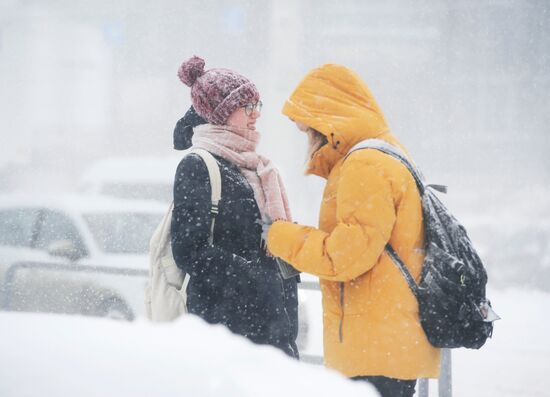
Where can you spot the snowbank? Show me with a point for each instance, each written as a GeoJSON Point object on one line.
{"type": "Point", "coordinates": [55, 355]}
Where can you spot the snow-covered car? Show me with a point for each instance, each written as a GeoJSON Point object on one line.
{"type": "Point", "coordinates": [88, 254]}
{"type": "Point", "coordinates": [76, 254]}
{"type": "Point", "coordinates": [145, 178]}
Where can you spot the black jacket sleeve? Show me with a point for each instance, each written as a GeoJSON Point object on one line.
{"type": "Point", "coordinates": [191, 223]}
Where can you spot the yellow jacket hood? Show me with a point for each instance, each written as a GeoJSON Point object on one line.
{"type": "Point", "coordinates": [334, 100]}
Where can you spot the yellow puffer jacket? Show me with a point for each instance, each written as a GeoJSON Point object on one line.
{"type": "Point", "coordinates": [371, 322]}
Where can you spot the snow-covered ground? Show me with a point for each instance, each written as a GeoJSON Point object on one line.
{"type": "Point", "coordinates": [55, 355]}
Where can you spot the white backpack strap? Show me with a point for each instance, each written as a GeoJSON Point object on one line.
{"type": "Point", "coordinates": [216, 187]}
{"type": "Point", "coordinates": [215, 184]}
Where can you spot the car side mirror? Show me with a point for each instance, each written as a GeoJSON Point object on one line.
{"type": "Point", "coordinates": [65, 249]}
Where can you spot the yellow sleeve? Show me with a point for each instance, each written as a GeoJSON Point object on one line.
{"type": "Point", "coordinates": [365, 218]}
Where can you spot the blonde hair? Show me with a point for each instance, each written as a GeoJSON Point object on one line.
{"type": "Point", "coordinates": [316, 141]}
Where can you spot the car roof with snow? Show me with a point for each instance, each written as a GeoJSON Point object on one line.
{"type": "Point", "coordinates": [81, 203]}
{"type": "Point", "coordinates": [133, 169]}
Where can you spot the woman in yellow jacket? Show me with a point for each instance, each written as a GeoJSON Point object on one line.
{"type": "Point", "coordinates": [372, 329]}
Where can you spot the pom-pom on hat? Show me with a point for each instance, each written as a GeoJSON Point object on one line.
{"type": "Point", "coordinates": [216, 93]}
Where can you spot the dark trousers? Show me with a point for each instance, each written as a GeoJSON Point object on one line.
{"type": "Point", "coordinates": [390, 387]}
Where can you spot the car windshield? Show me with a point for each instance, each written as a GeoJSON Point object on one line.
{"type": "Point", "coordinates": [123, 233]}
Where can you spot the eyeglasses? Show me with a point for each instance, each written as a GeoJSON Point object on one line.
{"type": "Point", "coordinates": [250, 107]}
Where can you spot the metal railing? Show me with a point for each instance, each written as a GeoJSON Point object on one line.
{"type": "Point", "coordinates": [6, 289]}
{"type": "Point", "coordinates": [7, 292]}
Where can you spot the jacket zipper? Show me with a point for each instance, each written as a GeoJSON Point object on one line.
{"type": "Point", "coordinates": [341, 331]}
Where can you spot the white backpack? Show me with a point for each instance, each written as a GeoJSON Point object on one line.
{"type": "Point", "coordinates": [165, 296]}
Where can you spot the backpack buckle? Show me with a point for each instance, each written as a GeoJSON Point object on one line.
{"type": "Point", "coordinates": [439, 188]}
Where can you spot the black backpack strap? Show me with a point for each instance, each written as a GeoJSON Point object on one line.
{"type": "Point", "coordinates": [385, 147]}
{"type": "Point", "coordinates": [391, 150]}
{"type": "Point", "coordinates": [403, 269]}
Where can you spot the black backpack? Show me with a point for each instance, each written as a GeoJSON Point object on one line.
{"type": "Point", "coordinates": [454, 311]}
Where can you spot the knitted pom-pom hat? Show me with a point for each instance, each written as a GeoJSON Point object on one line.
{"type": "Point", "coordinates": [216, 93]}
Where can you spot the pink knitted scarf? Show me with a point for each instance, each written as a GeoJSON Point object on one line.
{"type": "Point", "coordinates": [238, 145]}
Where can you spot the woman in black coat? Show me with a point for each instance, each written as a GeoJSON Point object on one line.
{"type": "Point", "coordinates": [232, 281]}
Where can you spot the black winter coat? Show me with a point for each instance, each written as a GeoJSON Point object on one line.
{"type": "Point", "coordinates": [233, 282]}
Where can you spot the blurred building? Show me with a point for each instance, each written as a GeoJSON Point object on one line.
{"type": "Point", "coordinates": [464, 84]}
